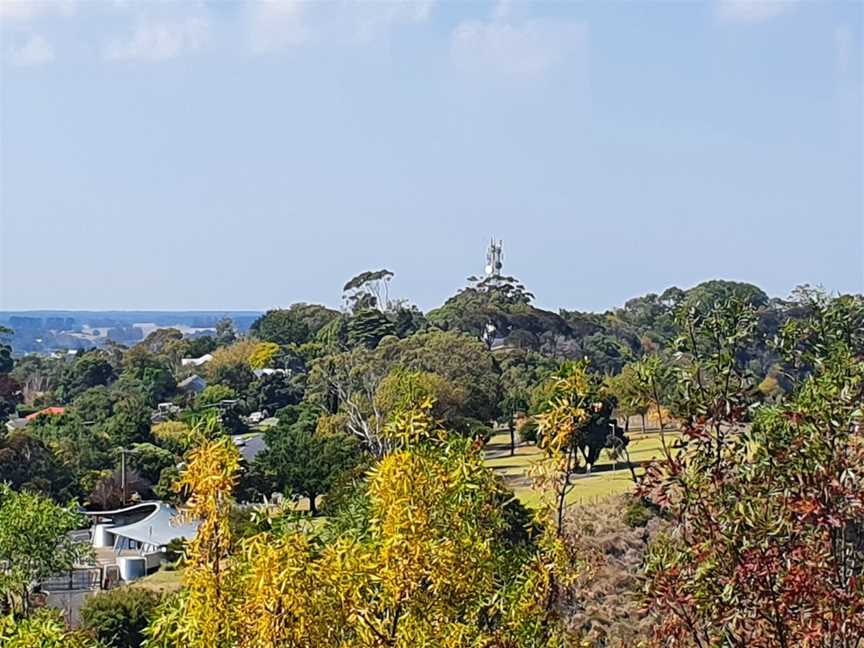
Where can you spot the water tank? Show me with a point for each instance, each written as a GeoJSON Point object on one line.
{"type": "Point", "coordinates": [102, 536]}
{"type": "Point", "coordinates": [132, 567]}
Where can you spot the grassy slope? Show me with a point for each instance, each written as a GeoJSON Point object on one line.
{"type": "Point", "coordinates": [162, 581]}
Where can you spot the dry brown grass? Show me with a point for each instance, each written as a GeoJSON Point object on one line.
{"type": "Point", "coordinates": [604, 609]}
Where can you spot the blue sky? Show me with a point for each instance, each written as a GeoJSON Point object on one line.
{"type": "Point", "coordinates": [248, 155]}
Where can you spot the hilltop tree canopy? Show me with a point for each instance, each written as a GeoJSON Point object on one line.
{"type": "Point", "coordinates": [294, 325]}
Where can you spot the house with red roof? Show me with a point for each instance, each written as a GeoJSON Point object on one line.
{"type": "Point", "coordinates": [48, 411]}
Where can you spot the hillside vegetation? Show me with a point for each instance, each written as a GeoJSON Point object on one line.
{"type": "Point", "coordinates": [682, 471]}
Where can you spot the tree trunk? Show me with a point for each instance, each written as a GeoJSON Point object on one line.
{"type": "Point", "coordinates": [630, 466]}
{"type": "Point", "coordinates": [512, 437]}
{"type": "Point", "coordinates": [313, 508]}
{"type": "Point", "coordinates": [562, 497]}
{"type": "Point", "coordinates": [643, 422]}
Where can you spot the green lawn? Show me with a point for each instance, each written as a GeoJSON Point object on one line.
{"type": "Point", "coordinates": [162, 581]}
{"type": "Point", "coordinates": [608, 478]}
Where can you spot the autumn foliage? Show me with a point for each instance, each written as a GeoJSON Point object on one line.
{"type": "Point", "coordinates": [766, 503]}
{"type": "Point", "coordinates": [431, 551]}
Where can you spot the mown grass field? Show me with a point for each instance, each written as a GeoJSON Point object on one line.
{"type": "Point", "coordinates": [607, 478]}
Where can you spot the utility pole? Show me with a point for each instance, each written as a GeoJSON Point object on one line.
{"type": "Point", "coordinates": [123, 474]}
{"type": "Point", "coordinates": [123, 452]}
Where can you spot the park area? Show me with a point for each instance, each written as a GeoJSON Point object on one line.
{"type": "Point", "coordinates": [607, 477]}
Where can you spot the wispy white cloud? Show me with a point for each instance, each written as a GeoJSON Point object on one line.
{"type": "Point", "coordinates": [278, 24]}
{"type": "Point", "coordinates": [154, 41]}
{"type": "Point", "coordinates": [284, 24]}
{"type": "Point", "coordinates": [377, 18]}
{"type": "Point", "coordinates": [523, 49]}
{"type": "Point", "coordinates": [751, 11]}
{"type": "Point", "coordinates": [36, 50]}
{"type": "Point", "coordinates": [27, 10]}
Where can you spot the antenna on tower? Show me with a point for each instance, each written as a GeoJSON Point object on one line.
{"type": "Point", "coordinates": [494, 258]}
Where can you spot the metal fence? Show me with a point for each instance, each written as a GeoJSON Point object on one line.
{"type": "Point", "coordinates": [76, 579]}
{"type": "Point", "coordinates": [68, 591]}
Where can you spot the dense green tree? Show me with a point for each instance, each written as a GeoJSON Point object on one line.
{"type": "Point", "coordinates": [80, 446]}
{"type": "Point", "coordinates": [301, 461]}
{"type": "Point", "coordinates": [333, 337]}
{"type": "Point", "coordinates": [118, 617]}
{"type": "Point", "coordinates": [304, 411]}
{"type": "Point", "coordinates": [130, 422]}
{"type": "Point", "coordinates": [235, 375]}
{"type": "Point", "coordinates": [275, 391]}
{"type": "Point", "coordinates": [150, 460]}
{"type": "Point", "coordinates": [69, 377]}
{"type": "Point", "coordinates": [653, 315]}
{"type": "Point", "coordinates": [95, 404]}
{"type": "Point", "coordinates": [34, 543]}
{"type": "Point", "coordinates": [709, 293]}
{"type": "Point", "coordinates": [10, 395]}
{"type": "Point", "coordinates": [314, 316]}
{"type": "Point", "coordinates": [153, 372]}
{"type": "Point", "coordinates": [164, 488]}
{"type": "Point", "coordinates": [157, 341]}
{"type": "Point", "coordinates": [459, 359]}
{"type": "Point", "coordinates": [28, 463]}
{"type": "Point", "coordinates": [295, 325]}
{"type": "Point", "coordinates": [213, 394]}
{"type": "Point", "coordinates": [6, 360]}
{"type": "Point", "coordinates": [631, 393]}
{"type": "Point", "coordinates": [93, 369]}
{"type": "Point", "coordinates": [404, 390]}
{"type": "Point", "coordinates": [823, 322]}
{"type": "Point", "coordinates": [367, 327]}
{"type": "Point", "coordinates": [407, 320]}
{"type": "Point", "coordinates": [521, 370]}
{"type": "Point", "coordinates": [281, 327]}
{"type": "Point", "coordinates": [199, 346]}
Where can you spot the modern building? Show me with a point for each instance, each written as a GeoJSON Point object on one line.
{"type": "Point", "coordinates": [135, 538]}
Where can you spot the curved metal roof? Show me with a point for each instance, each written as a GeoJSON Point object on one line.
{"type": "Point", "coordinates": [128, 509]}
{"type": "Point", "coordinates": [159, 528]}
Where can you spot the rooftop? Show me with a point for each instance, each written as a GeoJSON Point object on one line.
{"type": "Point", "coordinates": [160, 525]}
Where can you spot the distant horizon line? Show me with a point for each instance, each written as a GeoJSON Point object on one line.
{"type": "Point", "coordinates": [134, 310]}
{"type": "Point", "coordinates": [542, 304]}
